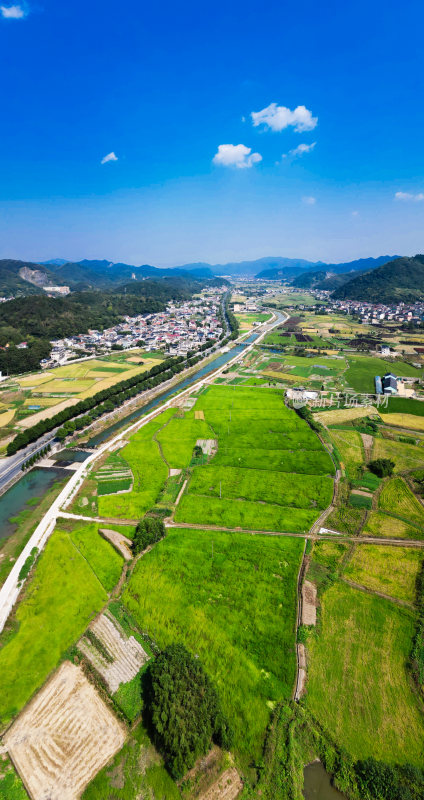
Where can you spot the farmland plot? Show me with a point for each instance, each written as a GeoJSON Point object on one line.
{"type": "Point", "coordinates": [148, 468]}
{"type": "Point", "coordinates": [246, 484]}
{"type": "Point", "coordinates": [391, 570]}
{"type": "Point", "coordinates": [119, 658]}
{"type": "Point", "coordinates": [405, 456]}
{"type": "Point", "coordinates": [64, 736]}
{"type": "Point", "coordinates": [230, 598]}
{"type": "Point", "coordinates": [62, 597]}
{"type": "Point", "coordinates": [397, 498]}
{"type": "Point", "coordinates": [358, 687]}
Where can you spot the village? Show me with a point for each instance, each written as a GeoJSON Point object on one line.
{"type": "Point", "coordinates": [180, 329]}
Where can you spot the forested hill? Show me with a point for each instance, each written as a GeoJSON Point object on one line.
{"type": "Point", "coordinates": [398, 281]}
{"type": "Point", "coordinates": [38, 319]}
{"type": "Point", "coordinates": [318, 269]}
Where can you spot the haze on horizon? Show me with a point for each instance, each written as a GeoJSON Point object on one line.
{"type": "Point", "coordinates": [205, 133]}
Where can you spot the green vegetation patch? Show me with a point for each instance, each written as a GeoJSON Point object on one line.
{"type": "Point", "coordinates": [391, 570]}
{"type": "Point", "coordinates": [62, 598]}
{"type": "Point", "coordinates": [104, 560]}
{"type": "Point", "coordinates": [397, 498]}
{"type": "Point", "coordinates": [360, 501]}
{"type": "Point", "coordinates": [363, 369]}
{"type": "Point", "coordinates": [11, 786]}
{"type": "Point", "coordinates": [381, 524]}
{"type": "Point", "coordinates": [243, 514]}
{"type": "Point", "coordinates": [231, 599]}
{"type": "Point", "coordinates": [136, 771]}
{"type": "Point", "coordinates": [403, 405]}
{"type": "Point", "coordinates": [246, 484]}
{"type": "Point", "coordinates": [148, 468]}
{"type": "Point", "coordinates": [405, 456]}
{"type": "Point", "coordinates": [179, 437]}
{"type": "Point", "coordinates": [350, 450]}
{"type": "Point", "coordinates": [357, 683]}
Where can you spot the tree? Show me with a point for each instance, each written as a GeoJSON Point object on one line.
{"type": "Point", "coordinates": [185, 709]}
{"type": "Point", "coordinates": [383, 467]}
{"type": "Point", "coordinates": [149, 531]}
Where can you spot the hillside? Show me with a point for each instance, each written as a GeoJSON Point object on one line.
{"type": "Point", "coordinates": [399, 281]}
{"type": "Point", "coordinates": [319, 268]}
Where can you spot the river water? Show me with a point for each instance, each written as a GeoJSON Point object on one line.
{"type": "Point", "coordinates": [33, 484]}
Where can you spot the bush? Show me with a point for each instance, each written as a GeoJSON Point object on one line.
{"type": "Point", "coordinates": [383, 467]}
{"type": "Point", "coordinates": [185, 710]}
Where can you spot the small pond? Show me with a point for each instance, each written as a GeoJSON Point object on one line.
{"type": "Point", "coordinates": [317, 784]}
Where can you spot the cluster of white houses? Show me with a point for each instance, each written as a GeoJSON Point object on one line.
{"type": "Point", "coordinates": [181, 328]}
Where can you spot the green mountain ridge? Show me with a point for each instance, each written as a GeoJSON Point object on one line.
{"type": "Point", "coordinates": [399, 281]}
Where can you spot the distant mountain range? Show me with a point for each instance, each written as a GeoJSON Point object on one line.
{"type": "Point", "coordinates": [311, 276]}
{"type": "Point", "coordinates": [351, 279]}
{"type": "Point", "coordinates": [401, 280]}
{"type": "Point", "coordinates": [18, 278]}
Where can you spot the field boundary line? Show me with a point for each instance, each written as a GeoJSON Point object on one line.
{"type": "Point", "coordinates": [376, 593]}
{"type": "Point", "coordinates": [299, 585]}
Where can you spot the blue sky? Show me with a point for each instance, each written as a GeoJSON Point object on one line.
{"type": "Point", "coordinates": [331, 169]}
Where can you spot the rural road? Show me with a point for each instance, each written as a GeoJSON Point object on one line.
{"type": "Point", "coordinates": [11, 588]}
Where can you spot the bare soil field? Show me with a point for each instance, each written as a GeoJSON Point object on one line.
{"type": "Point", "coordinates": [64, 737]}
{"type": "Point", "coordinates": [309, 603]}
{"type": "Point", "coordinates": [126, 655]}
{"type": "Point", "coordinates": [227, 787]}
{"type": "Point", "coordinates": [118, 541]}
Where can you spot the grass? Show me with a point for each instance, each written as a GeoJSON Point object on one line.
{"type": "Point", "coordinates": [308, 462]}
{"type": "Point", "coordinates": [246, 484]}
{"type": "Point", "coordinates": [367, 480]}
{"type": "Point", "coordinates": [103, 559]}
{"type": "Point", "coordinates": [282, 488]}
{"type": "Point", "coordinates": [179, 437]}
{"type": "Point", "coordinates": [149, 470]}
{"type": "Point", "coordinates": [231, 599]}
{"type": "Point", "coordinates": [11, 786]}
{"type": "Point", "coordinates": [62, 597]}
{"type": "Point", "coordinates": [136, 771]}
{"type": "Point", "coordinates": [404, 405]}
{"type": "Point", "coordinates": [386, 526]}
{"type": "Point", "coordinates": [349, 446]}
{"type": "Point", "coordinates": [397, 498]}
{"type": "Point", "coordinates": [357, 685]}
{"type": "Point", "coordinates": [129, 697]}
{"type": "Point", "coordinates": [243, 514]}
{"type": "Point", "coordinates": [360, 501]}
{"type": "Point", "coordinates": [340, 415]}
{"type": "Point", "coordinates": [363, 369]}
{"type": "Point", "coordinates": [405, 456]}
{"type": "Point", "coordinates": [405, 421]}
{"type": "Point", "coordinates": [390, 570]}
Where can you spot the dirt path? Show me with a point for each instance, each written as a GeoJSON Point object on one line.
{"type": "Point", "coordinates": [367, 590]}
{"type": "Point", "coordinates": [368, 442]}
{"type": "Point", "coordinates": [331, 537]}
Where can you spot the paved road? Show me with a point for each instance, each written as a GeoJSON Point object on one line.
{"type": "Point", "coordinates": [10, 466]}
{"type": "Point", "coordinates": [10, 589]}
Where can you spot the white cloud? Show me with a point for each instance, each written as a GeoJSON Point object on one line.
{"type": "Point", "coordinates": [355, 213]}
{"type": "Point", "coordinates": [300, 150]}
{"type": "Point", "coordinates": [109, 157]}
{"type": "Point", "coordinates": [309, 201]}
{"type": "Point", "coordinates": [279, 117]}
{"type": "Point", "coordinates": [405, 196]}
{"type": "Point", "coordinates": [13, 12]}
{"type": "Point", "coordinates": [236, 155]}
